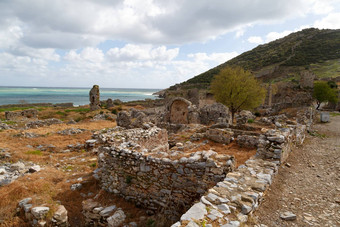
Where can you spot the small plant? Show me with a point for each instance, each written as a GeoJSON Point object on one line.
{"type": "Point", "coordinates": [114, 111]}
{"type": "Point", "coordinates": [35, 152]}
{"type": "Point", "coordinates": [128, 179]}
{"type": "Point", "coordinates": [257, 114]}
{"type": "Point", "coordinates": [101, 112]}
{"type": "Point", "coordinates": [204, 223]}
{"type": "Point", "coordinates": [150, 223]}
{"type": "Point", "coordinates": [250, 121]}
{"type": "Point", "coordinates": [93, 165]}
{"type": "Point", "coordinates": [208, 209]}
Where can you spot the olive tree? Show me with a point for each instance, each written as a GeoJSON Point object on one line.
{"type": "Point", "coordinates": [324, 93]}
{"type": "Point", "coordinates": [237, 89]}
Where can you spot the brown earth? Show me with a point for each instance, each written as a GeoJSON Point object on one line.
{"type": "Point", "coordinates": [308, 185]}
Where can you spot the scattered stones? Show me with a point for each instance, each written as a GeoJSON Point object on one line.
{"type": "Point", "coordinates": [37, 215]}
{"type": "Point", "coordinates": [76, 186]}
{"type": "Point", "coordinates": [71, 131]}
{"type": "Point", "coordinates": [96, 215]}
{"type": "Point", "coordinates": [10, 172]}
{"type": "Point", "coordinates": [42, 123]}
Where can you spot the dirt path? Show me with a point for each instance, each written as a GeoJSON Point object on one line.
{"type": "Point", "coordinates": [310, 187]}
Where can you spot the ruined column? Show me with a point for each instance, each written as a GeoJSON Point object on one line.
{"type": "Point", "coordinates": [269, 95]}
{"type": "Point", "coordinates": [94, 98]}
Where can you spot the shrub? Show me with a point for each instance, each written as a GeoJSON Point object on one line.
{"type": "Point", "coordinates": [35, 152]}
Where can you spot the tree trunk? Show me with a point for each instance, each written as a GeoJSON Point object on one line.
{"type": "Point", "coordinates": [232, 116]}
{"type": "Point", "coordinates": [318, 105]}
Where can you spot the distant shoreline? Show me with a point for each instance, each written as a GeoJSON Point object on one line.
{"type": "Point", "coordinates": [77, 96]}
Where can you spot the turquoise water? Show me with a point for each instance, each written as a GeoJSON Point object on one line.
{"type": "Point", "coordinates": [79, 96]}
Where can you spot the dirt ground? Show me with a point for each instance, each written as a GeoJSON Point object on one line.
{"type": "Point", "coordinates": [310, 187]}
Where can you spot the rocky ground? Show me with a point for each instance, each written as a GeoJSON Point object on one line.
{"type": "Point", "coordinates": [308, 185]}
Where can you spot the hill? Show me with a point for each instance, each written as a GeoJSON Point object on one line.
{"type": "Point", "coordinates": [284, 59]}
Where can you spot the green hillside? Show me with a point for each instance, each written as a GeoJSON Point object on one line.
{"type": "Point", "coordinates": [314, 49]}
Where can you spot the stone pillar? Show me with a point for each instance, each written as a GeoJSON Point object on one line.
{"type": "Point", "coordinates": [268, 100]}
{"type": "Point", "coordinates": [94, 98]}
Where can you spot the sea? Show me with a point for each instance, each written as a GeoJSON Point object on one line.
{"type": "Point", "coordinates": [78, 96]}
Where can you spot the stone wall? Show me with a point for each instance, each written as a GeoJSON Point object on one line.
{"type": "Point", "coordinates": [233, 200]}
{"type": "Point", "coordinates": [137, 165]}
{"type": "Point", "coordinates": [30, 113]}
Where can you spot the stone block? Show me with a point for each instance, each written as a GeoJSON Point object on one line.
{"type": "Point", "coordinates": [324, 117]}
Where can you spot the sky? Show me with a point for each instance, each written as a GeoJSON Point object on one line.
{"type": "Point", "coordinates": [141, 43]}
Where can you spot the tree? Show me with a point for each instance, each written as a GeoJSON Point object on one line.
{"type": "Point", "coordinates": [324, 93]}
{"type": "Point", "coordinates": [238, 89]}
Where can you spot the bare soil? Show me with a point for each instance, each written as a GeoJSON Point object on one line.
{"type": "Point", "coordinates": [308, 185]}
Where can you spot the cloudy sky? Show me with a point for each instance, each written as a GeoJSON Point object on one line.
{"type": "Point", "coordinates": [140, 43]}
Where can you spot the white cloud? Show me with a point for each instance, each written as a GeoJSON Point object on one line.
{"type": "Point", "coordinates": [331, 21]}
{"type": "Point", "coordinates": [70, 24]}
{"type": "Point", "coordinates": [255, 39]}
{"type": "Point", "coordinates": [132, 52]}
{"type": "Point", "coordinates": [276, 35]}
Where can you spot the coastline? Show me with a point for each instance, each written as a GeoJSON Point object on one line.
{"type": "Point", "coordinates": [78, 96]}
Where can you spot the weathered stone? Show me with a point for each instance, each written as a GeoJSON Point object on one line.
{"type": "Point", "coordinates": [224, 208]}
{"type": "Point", "coordinates": [94, 98]}
{"type": "Point", "coordinates": [123, 119]}
{"type": "Point", "coordinates": [196, 212]}
{"type": "Point", "coordinates": [219, 135]}
{"type": "Point", "coordinates": [40, 212]}
{"type": "Point", "coordinates": [109, 103]}
{"type": "Point", "coordinates": [232, 224]}
{"type": "Point", "coordinates": [324, 117]}
{"type": "Point", "coordinates": [116, 219]}
{"type": "Point", "coordinates": [24, 201]}
{"type": "Point", "coordinates": [60, 216]}
{"type": "Point", "coordinates": [107, 211]}
{"type": "Point", "coordinates": [209, 114]}
{"type": "Point", "coordinates": [89, 205]}
{"type": "Point", "coordinates": [288, 216]}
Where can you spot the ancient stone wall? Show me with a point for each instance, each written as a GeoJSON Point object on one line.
{"type": "Point", "coordinates": [30, 113]}
{"type": "Point", "coordinates": [239, 194]}
{"type": "Point", "coordinates": [137, 165]}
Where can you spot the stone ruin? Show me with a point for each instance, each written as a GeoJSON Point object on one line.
{"type": "Point", "coordinates": [30, 113]}
{"type": "Point", "coordinates": [178, 111]}
{"type": "Point", "coordinates": [137, 164]}
{"type": "Point", "coordinates": [307, 79]}
{"type": "Point", "coordinates": [94, 98]}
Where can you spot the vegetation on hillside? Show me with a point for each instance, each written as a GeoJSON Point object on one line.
{"type": "Point", "coordinates": [238, 89]}
{"type": "Point", "coordinates": [306, 48]}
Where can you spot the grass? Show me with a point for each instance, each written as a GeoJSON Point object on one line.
{"type": "Point", "coordinates": [78, 110]}
{"type": "Point", "coordinates": [10, 122]}
{"type": "Point", "coordinates": [34, 152]}
{"type": "Point", "coordinates": [334, 114]}
{"type": "Point", "coordinates": [316, 134]}
{"type": "Point", "coordinates": [326, 69]}
{"type": "Point", "coordinates": [20, 108]}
